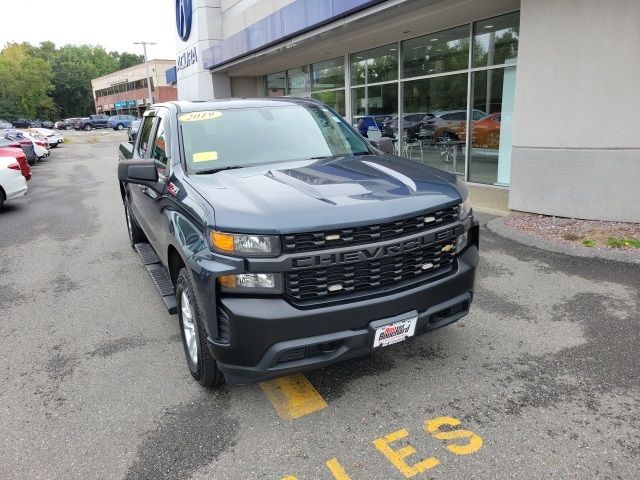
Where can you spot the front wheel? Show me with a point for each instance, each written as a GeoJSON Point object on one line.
{"type": "Point", "coordinates": [120, 126]}
{"type": "Point", "coordinates": [87, 127]}
{"type": "Point", "coordinates": [202, 365]}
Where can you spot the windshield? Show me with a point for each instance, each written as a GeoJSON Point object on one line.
{"type": "Point", "coordinates": [249, 136]}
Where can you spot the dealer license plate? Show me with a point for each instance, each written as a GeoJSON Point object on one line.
{"type": "Point", "coordinates": [394, 332]}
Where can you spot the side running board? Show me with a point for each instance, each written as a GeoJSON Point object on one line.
{"type": "Point", "coordinates": [159, 274]}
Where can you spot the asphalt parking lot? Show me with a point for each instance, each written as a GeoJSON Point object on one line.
{"type": "Point", "coordinates": [541, 380]}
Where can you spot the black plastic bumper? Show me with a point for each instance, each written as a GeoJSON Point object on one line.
{"type": "Point", "coordinates": [270, 337]}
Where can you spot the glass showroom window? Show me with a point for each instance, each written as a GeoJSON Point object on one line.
{"type": "Point", "coordinates": [375, 65]}
{"type": "Point", "coordinates": [435, 107]}
{"type": "Point", "coordinates": [434, 114]}
{"type": "Point", "coordinates": [298, 83]}
{"type": "Point", "coordinates": [327, 83]}
{"type": "Point", "coordinates": [440, 52]}
{"type": "Point", "coordinates": [276, 84]}
{"type": "Point", "coordinates": [493, 92]}
{"type": "Point", "coordinates": [375, 105]}
{"type": "Point", "coordinates": [495, 42]}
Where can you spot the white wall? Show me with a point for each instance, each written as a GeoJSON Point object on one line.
{"type": "Point", "coordinates": [576, 143]}
{"type": "Point", "coordinates": [578, 79]}
{"type": "Point", "coordinates": [194, 82]}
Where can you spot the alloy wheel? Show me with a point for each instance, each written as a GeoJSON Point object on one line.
{"type": "Point", "coordinates": [189, 328]}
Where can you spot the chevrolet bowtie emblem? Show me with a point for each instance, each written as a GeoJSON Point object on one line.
{"type": "Point", "coordinates": [429, 219]}
{"type": "Point", "coordinates": [335, 288]}
{"type": "Point", "coordinates": [427, 266]}
{"type": "Point", "coordinates": [332, 237]}
{"type": "Point", "coordinates": [447, 248]}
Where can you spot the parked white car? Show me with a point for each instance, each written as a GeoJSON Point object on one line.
{"type": "Point", "coordinates": [40, 144]}
{"type": "Point", "coordinates": [52, 137]}
{"type": "Point", "coordinates": [12, 183]}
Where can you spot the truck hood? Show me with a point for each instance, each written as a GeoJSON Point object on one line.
{"type": "Point", "coordinates": [311, 194]}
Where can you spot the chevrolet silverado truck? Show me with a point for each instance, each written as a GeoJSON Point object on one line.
{"type": "Point", "coordinates": [284, 241]}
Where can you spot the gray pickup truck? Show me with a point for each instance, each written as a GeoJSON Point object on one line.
{"type": "Point", "coordinates": [91, 122]}
{"type": "Point", "coordinates": [284, 241]}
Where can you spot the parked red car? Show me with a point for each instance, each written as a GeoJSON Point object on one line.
{"type": "Point", "coordinates": [16, 152]}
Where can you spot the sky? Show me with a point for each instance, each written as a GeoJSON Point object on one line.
{"type": "Point", "coordinates": [114, 24]}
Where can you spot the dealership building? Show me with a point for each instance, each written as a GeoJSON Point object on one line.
{"type": "Point", "coordinates": [125, 92]}
{"type": "Point", "coordinates": [550, 86]}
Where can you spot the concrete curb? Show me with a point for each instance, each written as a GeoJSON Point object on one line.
{"type": "Point", "coordinates": [498, 227]}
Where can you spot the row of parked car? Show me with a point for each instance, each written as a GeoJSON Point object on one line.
{"type": "Point", "coordinates": [24, 123]}
{"type": "Point", "coordinates": [19, 151]}
{"type": "Point", "coordinates": [116, 122]}
{"type": "Point", "coordinates": [437, 127]}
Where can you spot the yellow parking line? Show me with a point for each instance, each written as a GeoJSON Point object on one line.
{"type": "Point", "coordinates": [293, 396]}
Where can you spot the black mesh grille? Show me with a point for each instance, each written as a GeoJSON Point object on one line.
{"type": "Point", "coordinates": [304, 242]}
{"type": "Point", "coordinates": [341, 279]}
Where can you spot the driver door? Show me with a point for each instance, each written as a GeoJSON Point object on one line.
{"type": "Point", "coordinates": [152, 201]}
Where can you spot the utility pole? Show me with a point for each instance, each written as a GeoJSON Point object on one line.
{"type": "Point", "coordinates": [146, 64]}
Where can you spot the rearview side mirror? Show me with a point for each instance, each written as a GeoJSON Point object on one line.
{"type": "Point", "coordinates": [140, 172]}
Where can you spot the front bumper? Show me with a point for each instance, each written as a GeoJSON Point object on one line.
{"type": "Point", "coordinates": [269, 337]}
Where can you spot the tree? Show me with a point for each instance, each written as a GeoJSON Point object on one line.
{"type": "Point", "coordinates": [26, 84]}
{"type": "Point", "coordinates": [127, 60]}
{"type": "Point", "coordinates": [71, 69]}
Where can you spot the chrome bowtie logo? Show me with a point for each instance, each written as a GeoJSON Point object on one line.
{"type": "Point", "coordinates": [183, 18]}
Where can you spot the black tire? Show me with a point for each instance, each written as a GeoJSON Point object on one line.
{"type": "Point", "coordinates": [88, 127]}
{"type": "Point", "coordinates": [205, 369]}
{"type": "Point", "coordinates": [1, 199]}
{"type": "Point", "coordinates": [136, 235]}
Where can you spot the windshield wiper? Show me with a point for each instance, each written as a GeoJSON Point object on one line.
{"type": "Point", "coordinates": [216, 170]}
{"type": "Point", "coordinates": [324, 157]}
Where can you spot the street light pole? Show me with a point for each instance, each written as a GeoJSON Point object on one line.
{"type": "Point", "coordinates": [146, 64]}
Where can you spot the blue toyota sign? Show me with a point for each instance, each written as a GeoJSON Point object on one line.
{"type": "Point", "coordinates": [183, 18]}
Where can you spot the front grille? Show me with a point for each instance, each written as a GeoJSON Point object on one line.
{"type": "Point", "coordinates": [337, 280]}
{"type": "Point", "coordinates": [304, 242]}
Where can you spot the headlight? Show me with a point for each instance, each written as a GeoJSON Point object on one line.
{"type": "Point", "coordinates": [252, 282]}
{"type": "Point", "coordinates": [464, 209]}
{"type": "Point", "coordinates": [245, 244]}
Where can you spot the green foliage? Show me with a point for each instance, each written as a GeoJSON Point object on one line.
{"type": "Point", "coordinates": [623, 242]}
{"type": "Point", "coordinates": [588, 243]}
{"type": "Point", "coordinates": [59, 79]}
{"type": "Point", "coordinates": [26, 84]}
{"type": "Point", "coordinates": [127, 59]}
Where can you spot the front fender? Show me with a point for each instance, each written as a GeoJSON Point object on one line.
{"type": "Point", "coordinates": [204, 266]}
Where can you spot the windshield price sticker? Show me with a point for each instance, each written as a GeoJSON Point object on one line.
{"type": "Point", "coordinates": [205, 156]}
{"type": "Point", "coordinates": [394, 332]}
{"type": "Point", "coordinates": [200, 116]}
